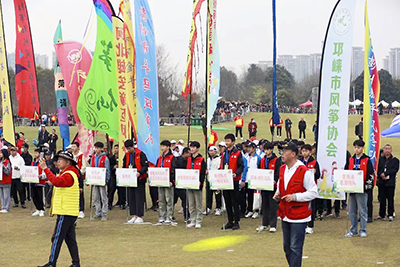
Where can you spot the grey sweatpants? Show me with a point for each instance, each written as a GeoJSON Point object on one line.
{"type": "Point", "coordinates": [5, 193]}
{"type": "Point", "coordinates": [196, 206]}
{"type": "Point", "coordinates": [100, 200]}
{"type": "Point", "coordinates": [166, 202]}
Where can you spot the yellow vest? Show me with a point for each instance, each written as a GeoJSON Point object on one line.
{"type": "Point", "coordinates": [65, 200]}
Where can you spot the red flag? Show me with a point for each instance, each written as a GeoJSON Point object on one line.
{"type": "Point", "coordinates": [25, 70]}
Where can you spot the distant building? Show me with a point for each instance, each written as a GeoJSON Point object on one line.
{"type": "Point", "coordinates": [42, 61]}
{"type": "Point", "coordinates": [302, 70]}
{"type": "Point", "coordinates": [392, 62]}
{"type": "Point", "coordinates": [357, 62]}
{"type": "Point", "coordinates": [264, 65]}
{"type": "Point", "coordinates": [288, 62]}
{"type": "Point", "coordinates": [315, 63]}
{"type": "Point", "coordinates": [11, 61]}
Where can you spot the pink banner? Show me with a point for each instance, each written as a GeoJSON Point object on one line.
{"type": "Point", "coordinates": [85, 138]}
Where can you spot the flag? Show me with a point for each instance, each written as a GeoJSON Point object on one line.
{"type": "Point", "coordinates": [97, 105]}
{"type": "Point", "coordinates": [371, 131]}
{"type": "Point", "coordinates": [8, 123]}
{"type": "Point", "coordinates": [25, 71]}
{"type": "Point", "coordinates": [213, 65]}
{"type": "Point", "coordinates": [61, 94]}
{"type": "Point", "coordinates": [125, 8]}
{"type": "Point", "coordinates": [334, 95]}
{"type": "Point", "coordinates": [148, 133]}
{"type": "Point", "coordinates": [275, 110]}
{"type": "Point", "coordinates": [85, 138]}
{"type": "Point", "coordinates": [187, 84]}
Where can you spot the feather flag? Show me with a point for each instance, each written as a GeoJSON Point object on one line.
{"type": "Point", "coordinates": [61, 94]}
{"type": "Point", "coordinates": [187, 84]}
{"type": "Point", "coordinates": [275, 110]}
{"type": "Point", "coordinates": [372, 89]}
{"type": "Point", "coordinates": [97, 105]}
{"type": "Point", "coordinates": [25, 70]}
{"type": "Point", "coordinates": [8, 123]}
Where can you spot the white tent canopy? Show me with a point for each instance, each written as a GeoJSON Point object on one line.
{"type": "Point", "coordinates": [395, 104]}
{"type": "Point", "coordinates": [357, 102]}
{"type": "Point", "coordinates": [383, 103]}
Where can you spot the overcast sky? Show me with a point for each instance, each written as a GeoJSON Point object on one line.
{"type": "Point", "coordinates": [244, 26]}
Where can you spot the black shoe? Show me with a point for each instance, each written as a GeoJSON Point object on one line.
{"type": "Point", "coordinates": [344, 207]}
{"type": "Point", "coordinates": [227, 226]}
{"type": "Point", "coordinates": [110, 207]}
{"type": "Point", "coordinates": [75, 265]}
{"type": "Point", "coordinates": [47, 265]}
{"type": "Point", "coordinates": [15, 205]}
{"type": "Point", "coordinates": [235, 226]}
{"type": "Point", "coordinates": [23, 206]}
{"type": "Point", "coordinates": [337, 216]}
{"type": "Point", "coordinates": [123, 207]}
{"type": "Point", "coordinates": [369, 220]}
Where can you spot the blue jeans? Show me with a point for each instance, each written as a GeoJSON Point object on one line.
{"type": "Point", "coordinates": [358, 202]}
{"type": "Point", "coordinates": [293, 241]}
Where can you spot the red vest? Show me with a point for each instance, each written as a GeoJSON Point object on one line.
{"type": "Point", "coordinates": [293, 210]}
{"type": "Point", "coordinates": [7, 179]}
{"type": "Point", "coordinates": [167, 161]}
{"type": "Point", "coordinates": [232, 163]}
{"type": "Point", "coordinates": [102, 161]}
{"type": "Point", "coordinates": [197, 163]}
{"type": "Point", "coordinates": [42, 182]}
{"type": "Point", "coordinates": [363, 166]}
{"type": "Point", "coordinates": [271, 165]}
{"type": "Point", "coordinates": [79, 161]}
{"type": "Point", "coordinates": [137, 162]}
{"type": "Point", "coordinates": [312, 165]}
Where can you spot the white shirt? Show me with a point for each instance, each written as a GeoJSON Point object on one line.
{"type": "Point", "coordinates": [19, 162]}
{"type": "Point", "coordinates": [309, 185]}
{"type": "Point", "coordinates": [213, 163]}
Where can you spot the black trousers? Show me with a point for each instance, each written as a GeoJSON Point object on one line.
{"type": "Point", "coordinates": [313, 214]}
{"type": "Point", "coordinates": [369, 202]}
{"type": "Point", "coordinates": [239, 130]}
{"type": "Point", "coordinates": [289, 133]}
{"type": "Point", "coordinates": [17, 187]}
{"type": "Point", "coordinates": [181, 193]}
{"type": "Point", "coordinates": [136, 199]}
{"type": "Point", "coordinates": [269, 208]}
{"type": "Point", "coordinates": [121, 191]}
{"type": "Point", "coordinates": [111, 189]}
{"type": "Point", "coordinates": [246, 199]}
{"type": "Point", "coordinates": [279, 131]}
{"type": "Point", "coordinates": [82, 201]}
{"type": "Point", "coordinates": [27, 192]}
{"type": "Point", "coordinates": [64, 230]}
{"type": "Point", "coordinates": [272, 129]}
{"type": "Point", "coordinates": [48, 190]}
{"type": "Point", "coordinates": [302, 132]}
{"type": "Point", "coordinates": [37, 197]}
{"type": "Point", "coordinates": [329, 206]}
{"type": "Point", "coordinates": [386, 193]}
{"type": "Point", "coordinates": [154, 195]}
{"type": "Point", "coordinates": [232, 203]}
{"type": "Point", "coordinates": [209, 197]}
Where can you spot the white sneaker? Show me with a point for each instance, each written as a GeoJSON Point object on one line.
{"type": "Point", "coordinates": [41, 213]}
{"type": "Point", "coordinates": [309, 230]}
{"type": "Point", "coordinates": [133, 219]}
{"type": "Point", "coordinates": [261, 228]}
{"type": "Point", "coordinates": [207, 211]}
{"type": "Point", "coordinates": [272, 230]}
{"type": "Point", "coordinates": [161, 220]}
{"type": "Point", "coordinates": [190, 225]}
{"type": "Point", "coordinates": [241, 138]}
{"type": "Point", "coordinates": [138, 220]}
{"type": "Point", "coordinates": [36, 213]}
{"type": "Point", "coordinates": [249, 214]}
{"type": "Point", "coordinates": [198, 226]}
{"type": "Point", "coordinates": [217, 212]}
{"type": "Point", "coordinates": [3, 211]}
{"type": "Point", "coordinates": [180, 211]}
{"type": "Point", "coordinates": [167, 221]}
{"type": "Point", "coordinates": [81, 215]}
{"type": "Point", "coordinates": [255, 215]}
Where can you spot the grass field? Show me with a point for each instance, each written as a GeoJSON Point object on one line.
{"type": "Point", "coordinates": [25, 241]}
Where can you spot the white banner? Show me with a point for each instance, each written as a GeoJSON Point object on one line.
{"type": "Point", "coordinates": [334, 94]}
{"type": "Point", "coordinates": [187, 179]}
{"type": "Point", "coordinates": [260, 179]}
{"type": "Point", "coordinates": [95, 176]}
{"type": "Point", "coordinates": [159, 177]}
{"type": "Point", "coordinates": [30, 174]}
{"type": "Point", "coordinates": [126, 177]}
{"type": "Point", "coordinates": [350, 181]}
{"type": "Point", "coordinates": [221, 179]}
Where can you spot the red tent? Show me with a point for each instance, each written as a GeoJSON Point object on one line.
{"type": "Point", "coordinates": [307, 104]}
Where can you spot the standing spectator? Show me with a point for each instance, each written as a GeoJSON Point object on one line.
{"type": "Point", "coordinates": [48, 189]}
{"type": "Point", "coordinates": [302, 129]}
{"type": "Point", "coordinates": [37, 189]}
{"type": "Point", "coordinates": [17, 162]}
{"type": "Point", "coordinates": [288, 128]}
{"type": "Point", "coordinates": [315, 131]}
{"type": "Point", "coordinates": [387, 170]}
{"type": "Point", "coordinates": [43, 136]}
{"type": "Point", "coordinates": [20, 142]}
{"type": "Point", "coordinates": [81, 164]}
{"type": "Point", "coordinates": [181, 163]}
{"type": "Point", "coordinates": [360, 129]}
{"type": "Point", "coordinates": [272, 127]}
{"type": "Point", "coordinates": [112, 185]}
{"type": "Point", "coordinates": [239, 125]}
{"type": "Point", "coordinates": [28, 161]}
{"type": "Point", "coordinates": [246, 194]}
{"type": "Point", "coordinates": [5, 183]}
{"type": "Point", "coordinates": [279, 128]}
{"type": "Point", "coordinates": [296, 188]}
{"type": "Point", "coordinates": [252, 127]}
{"type": "Point", "coordinates": [213, 138]}
{"type": "Point", "coordinates": [53, 141]}
{"type": "Point", "coordinates": [359, 202]}
{"type": "Point", "coordinates": [213, 163]}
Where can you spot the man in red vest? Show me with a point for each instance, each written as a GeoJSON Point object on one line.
{"type": "Point", "coordinates": [232, 159]}
{"type": "Point", "coordinates": [136, 159]}
{"type": "Point", "coordinates": [239, 125]}
{"type": "Point", "coordinates": [296, 190]}
{"type": "Point", "coordinates": [166, 194]}
{"type": "Point", "coordinates": [358, 203]}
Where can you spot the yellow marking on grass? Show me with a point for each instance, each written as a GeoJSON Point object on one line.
{"type": "Point", "coordinates": [216, 243]}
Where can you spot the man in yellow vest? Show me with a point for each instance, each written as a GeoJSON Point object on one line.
{"type": "Point", "coordinates": [65, 204]}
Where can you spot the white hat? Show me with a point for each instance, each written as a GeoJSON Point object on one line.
{"type": "Point", "coordinates": [173, 142]}
{"type": "Point", "coordinates": [256, 142]}
{"type": "Point", "coordinates": [46, 145]}
{"type": "Point", "coordinates": [69, 147]}
{"type": "Point", "coordinates": [222, 143]}
{"type": "Point", "coordinates": [212, 148]}
{"type": "Point", "coordinates": [181, 141]}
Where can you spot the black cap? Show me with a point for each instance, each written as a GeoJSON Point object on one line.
{"type": "Point", "coordinates": [290, 146]}
{"type": "Point", "coordinates": [48, 152]}
{"type": "Point", "coordinates": [251, 144]}
{"type": "Point", "coordinates": [65, 155]}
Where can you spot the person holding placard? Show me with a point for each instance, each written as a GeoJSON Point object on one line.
{"type": "Point", "coordinates": [213, 163]}
{"type": "Point", "coordinates": [358, 203]}
{"type": "Point", "coordinates": [37, 189]}
{"type": "Point", "coordinates": [166, 194]}
{"type": "Point", "coordinates": [313, 166]}
{"type": "Point", "coordinates": [269, 206]}
{"type": "Point", "coordinates": [100, 198]}
{"type": "Point", "coordinates": [196, 161]}
{"type": "Point", "coordinates": [17, 162]}
{"type": "Point", "coordinates": [246, 194]}
{"type": "Point", "coordinates": [82, 163]}
{"type": "Point", "coordinates": [296, 188]}
{"type": "Point", "coordinates": [136, 159]}
{"type": "Point", "coordinates": [5, 182]}
{"type": "Point", "coordinates": [28, 162]}
{"type": "Point", "coordinates": [65, 205]}
{"type": "Point", "coordinates": [181, 163]}
{"type": "Point", "coordinates": [232, 159]}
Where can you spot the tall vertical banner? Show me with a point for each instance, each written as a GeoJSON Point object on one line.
{"type": "Point", "coordinates": [148, 133]}
{"type": "Point", "coordinates": [275, 110]}
{"type": "Point", "coordinates": [25, 70]}
{"type": "Point", "coordinates": [334, 96]}
{"type": "Point", "coordinates": [372, 90]}
{"type": "Point", "coordinates": [213, 65]}
{"type": "Point", "coordinates": [97, 105]}
{"type": "Point", "coordinates": [61, 94]}
{"type": "Point", "coordinates": [188, 82]}
{"type": "Point", "coordinates": [7, 114]}
{"type": "Point", "coordinates": [122, 80]}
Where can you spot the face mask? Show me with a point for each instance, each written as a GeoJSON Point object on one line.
{"type": "Point", "coordinates": [22, 149]}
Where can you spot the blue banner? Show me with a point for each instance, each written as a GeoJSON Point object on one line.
{"type": "Point", "coordinates": [148, 134]}
{"type": "Point", "coordinates": [275, 109]}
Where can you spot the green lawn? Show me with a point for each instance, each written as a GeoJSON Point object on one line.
{"type": "Point", "coordinates": [25, 241]}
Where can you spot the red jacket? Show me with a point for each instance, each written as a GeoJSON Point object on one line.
{"type": "Point", "coordinates": [168, 159]}
{"type": "Point", "coordinates": [138, 164]}
{"type": "Point", "coordinates": [198, 164]}
{"type": "Point", "coordinates": [36, 163]}
{"type": "Point", "coordinates": [7, 179]}
{"type": "Point", "coordinates": [271, 165]}
{"type": "Point", "coordinates": [79, 161]}
{"type": "Point", "coordinates": [363, 166]}
{"type": "Point", "coordinates": [102, 161]}
{"type": "Point", "coordinates": [233, 162]}
{"type": "Point", "coordinates": [19, 144]}
{"type": "Point", "coordinates": [63, 179]}
{"type": "Point", "coordinates": [293, 210]}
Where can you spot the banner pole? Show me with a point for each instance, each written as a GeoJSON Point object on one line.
{"type": "Point", "coordinates": [127, 208]}
{"type": "Point", "coordinates": [260, 209]}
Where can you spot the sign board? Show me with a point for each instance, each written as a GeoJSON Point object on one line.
{"type": "Point", "coordinates": [187, 179]}
{"type": "Point", "coordinates": [159, 177]}
{"type": "Point", "coordinates": [30, 174]}
{"type": "Point", "coordinates": [220, 179]}
{"type": "Point", "coordinates": [260, 179]}
{"type": "Point", "coordinates": [95, 176]}
{"type": "Point", "coordinates": [350, 181]}
{"type": "Point", "coordinates": [126, 177]}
